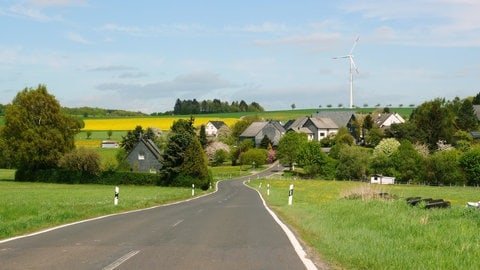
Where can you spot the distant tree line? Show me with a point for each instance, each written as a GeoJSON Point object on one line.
{"type": "Point", "coordinates": [98, 112]}
{"type": "Point", "coordinates": [189, 106]}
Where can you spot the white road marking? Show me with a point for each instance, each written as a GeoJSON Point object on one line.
{"type": "Point", "coordinates": [121, 260]}
{"type": "Point", "coordinates": [178, 222]}
{"type": "Point", "coordinates": [199, 211]}
{"type": "Point", "coordinates": [293, 240]}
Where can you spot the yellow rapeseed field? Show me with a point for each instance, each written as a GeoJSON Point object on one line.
{"type": "Point", "coordinates": [162, 123]}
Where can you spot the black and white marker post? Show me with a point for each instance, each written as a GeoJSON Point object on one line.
{"type": "Point", "coordinates": [290, 195]}
{"type": "Point", "coordinates": [193, 190]}
{"type": "Point", "coordinates": [268, 189]}
{"type": "Point", "coordinates": [115, 199]}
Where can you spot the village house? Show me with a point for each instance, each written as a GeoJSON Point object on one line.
{"type": "Point", "coordinates": [341, 119]}
{"type": "Point", "coordinates": [212, 128]}
{"type": "Point", "coordinates": [385, 120]}
{"type": "Point", "coordinates": [145, 157]}
{"type": "Point", "coordinates": [257, 130]}
{"type": "Point", "coordinates": [316, 128]}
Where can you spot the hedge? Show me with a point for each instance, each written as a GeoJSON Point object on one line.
{"type": "Point", "coordinates": [73, 177]}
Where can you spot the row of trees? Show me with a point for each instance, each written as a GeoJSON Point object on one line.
{"type": "Point", "coordinates": [183, 107]}
{"type": "Point", "coordinates": [99, 112]}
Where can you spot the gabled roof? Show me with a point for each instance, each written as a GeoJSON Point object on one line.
{"type": "Point", "coordinates": [218, 124]}
{"type": "Point", "coordinates": [256, 127]}
{"type": "Point", "coordinates": [323, 123]}
{"type": "Point", "coordinates": [380, 119]}
{"type": "Point", "coordinates": [318, 122]}
{"type": "Point", "coordinates": [288, 124]}
{"type": "Point", "coordinates": [340, 118]}
{"type": "Point", "coordinates": [152, 147]}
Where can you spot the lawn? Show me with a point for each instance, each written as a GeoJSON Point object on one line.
{"type": "Point", "coordinates": [227, 172]}
{"type": "Point", "coordinates": [377, 233]}
{"type": "Point", "coordinates": [2, 121]}
{"type": "Point", "coordinates": [28, 207]}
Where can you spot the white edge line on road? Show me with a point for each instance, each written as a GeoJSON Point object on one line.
{"type": "Point", "coordinates": [121, 260]}
{"type": "Point", "coordinates": [102, 217]}
{"type": "Point", "coordinates": [293, 240]}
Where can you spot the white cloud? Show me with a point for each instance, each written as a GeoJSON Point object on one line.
{"type": "Point", "coordinates": [319, 40]}
{"type": "Point", "coordinates": [109, 68]}
{"type": "Point", "coordinates": [153, 31]}
{"type": "Point", "coordinates": [446, 23]}
{"type": "Point", "coordinates": [187, 85]}
{"type": "Point", "coordinates": [29, 12]}
{"type": "Point", "coordinates": [77, 38]}
{"type": "Point", "coordinates": [49, 3]}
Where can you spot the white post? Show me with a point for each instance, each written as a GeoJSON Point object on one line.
{"type": "Point", "coordinates": [268, 189]}
{"type": "Point", "coordinates": [210, 185]}
{"type": "Point", "coordinates": [115, 198]}
{"type": "Point", "coordinates": [193, 190]}
{"type": "Point", "coordinates": [260, 186]}
{"type": "Point", "coordinates": [290, 195]}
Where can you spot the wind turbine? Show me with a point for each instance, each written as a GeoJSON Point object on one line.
{"type": "Point", "coordinates": [352, 68]}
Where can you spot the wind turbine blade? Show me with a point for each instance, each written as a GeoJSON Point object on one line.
{"type": "Point", "coordinates": [354, 66]}
{"type": "Point", "coordinates": [354, 44]}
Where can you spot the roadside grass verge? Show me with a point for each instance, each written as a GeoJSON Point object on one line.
{"type": "Point", "coordinates": [377, 233]}
{"type": "Point", "coordinates": [28, 207]}
{"type": "Point", "coordinates": [228, 172]}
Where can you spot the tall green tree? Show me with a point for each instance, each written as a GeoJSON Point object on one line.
{"type": "Point", "coordinates": [36, 131]}
{"type": "Point", "coordinates": [466, 117]}
{"type": "Point", "coordinates": [312, 159]}
{"type": "Point", "coordinates": [409, 164]}
{"type": "Point", "coordinates": [470, 163]}
{"type": "Point", "coordinates": [352, 163]}
{"type": "Point", "coordinates": [194, 168]}
{"type": "Point", "coordinates": [476, 99]}
{"type": "Point", "coordinates": [435, 120]}
{"type": "Point", "coordinates": [289, 147]}
{"type": "Point", "coordinates": [202, 136]}
{"type": "Point", "coordinates": [133, 136]}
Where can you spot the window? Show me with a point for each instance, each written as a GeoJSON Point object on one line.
{"type": "Point", "coordinates": [322, 134]}
{"type": "Point", "coordinates": [141, 156]}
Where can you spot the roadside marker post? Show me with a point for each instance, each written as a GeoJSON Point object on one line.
{"type": "Point", "coordinates": [115, 198]}
{"type": "Point", "coordinates": [193, 190]}
{"type": "Point", "coordinates": [290, 195]}
{"type": "Point", "coordinates": [260, 186]}
{"type": "Point", "coordinates": [268, 189]}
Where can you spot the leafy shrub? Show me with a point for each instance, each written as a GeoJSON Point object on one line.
{"type": "Point", "coordinates": [444, 168]}
{"type": "Point", "coordinates": [85, 161]}
{"type": "Point", "coordinates": [259, 156]}
{"type": "Point", "coordinates": [219, 157]}
{"type": "Point", "coordinates": [470, 163]}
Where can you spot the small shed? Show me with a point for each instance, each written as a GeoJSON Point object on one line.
{"type": "Point", "coordinates": [109, 144]}
{"type": "Point", "coordinates": [382, 180]}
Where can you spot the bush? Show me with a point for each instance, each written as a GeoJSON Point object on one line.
{"type": "Point", "coordinates": [81, 160]}
{"type": "Point", "coordinates": [219, 157]}
{"type": "Point", "coordinates": [444, 168]}
{"type": "Point", "coordinates": [470, 163]}
{"type": "Point", "coordinates": [352, 163]}
{"type": "Point", "coordinates": [259, 156]}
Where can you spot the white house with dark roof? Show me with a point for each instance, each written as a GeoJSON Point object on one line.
{"type": "Point", "coordinates": [316, 128]}
{"type": "Point", "coordinates": [212, 127]}
{"type": "Point", "coordinates": [340, 118]}
{"type": "Point", "coordinates": [385, 120]}
{"type": "Point", "coordinates": [257, 130]}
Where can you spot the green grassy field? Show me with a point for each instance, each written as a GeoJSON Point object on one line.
{"type": "Point", "coordinates": [2, 120]}
{"type": "Point", "coordinates": [100, 135]}
{"type": "Point", "coordinates": [227, 172]}
{"type": "Point", "coordinates": [381, 234]}
{"type": "Point", "coordinates": [28, 207]}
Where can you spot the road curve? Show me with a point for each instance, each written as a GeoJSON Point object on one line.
{"type": "Point", "coordinates": [229, 229]}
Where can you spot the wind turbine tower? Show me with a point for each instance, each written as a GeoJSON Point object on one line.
{"type": "Point", "coordinates": [352, 68]}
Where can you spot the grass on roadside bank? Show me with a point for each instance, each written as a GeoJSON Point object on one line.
{"type": "Point", "coordinates": [228, 172]}
{"type": "Point", "coordinates": [7, 174]}
{"type": "Point", "coordinates": [28, 207]}
{"type": "Point", "coordinates": [381, 234]}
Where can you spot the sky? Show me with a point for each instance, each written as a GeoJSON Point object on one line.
{"type": "Point", "coordinates": [143, 55]}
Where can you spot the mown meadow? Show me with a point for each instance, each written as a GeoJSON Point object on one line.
{"type": "Point", "coordinates": [28, 207]}
{"type": "Point", "coordinates": [378, 233]}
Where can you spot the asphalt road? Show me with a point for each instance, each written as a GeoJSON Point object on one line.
{"type": "Point", "coordinates": [229, 229]}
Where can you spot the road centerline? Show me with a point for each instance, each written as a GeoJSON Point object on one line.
{"type": "Point", "coordinates": [121, 260]}
{"type": "Point", "coordinates": [178, 222]}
